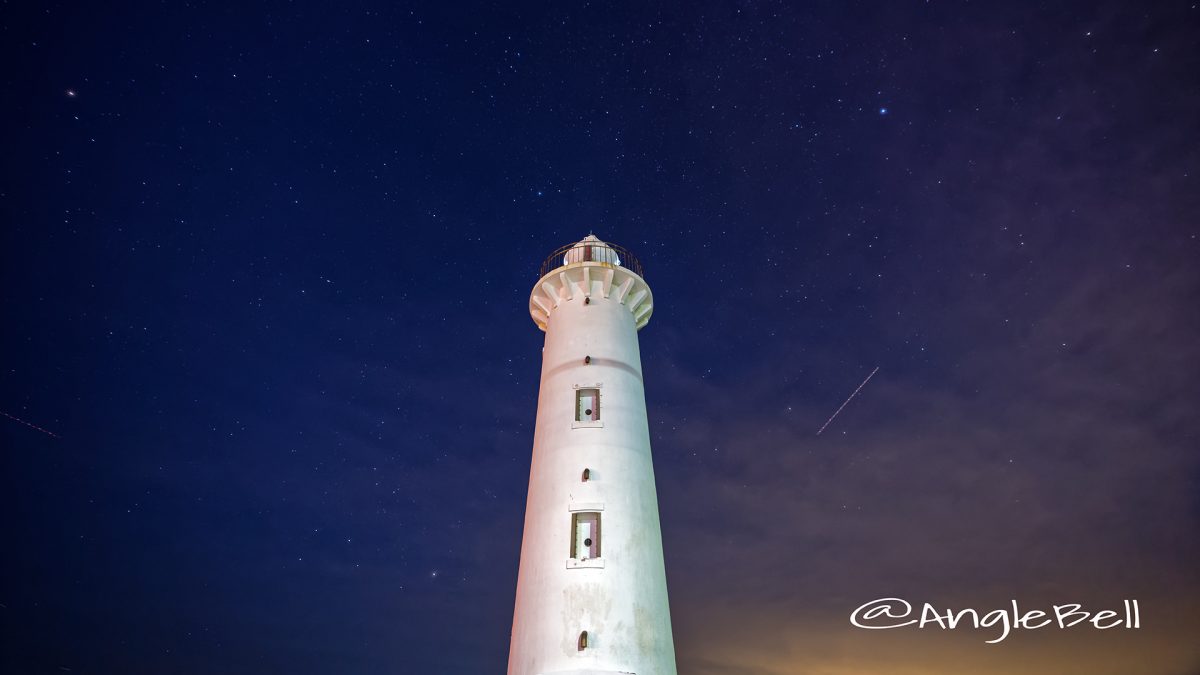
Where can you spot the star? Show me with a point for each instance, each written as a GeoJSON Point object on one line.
{"type": "Point", "coordinates": [883, 111]}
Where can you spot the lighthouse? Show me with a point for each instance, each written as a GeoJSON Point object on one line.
{"type": "Point", "coordinates": [592, 586]}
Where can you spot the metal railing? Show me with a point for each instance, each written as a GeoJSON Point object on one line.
{"type": "Point", "coordinates": [617, 256]}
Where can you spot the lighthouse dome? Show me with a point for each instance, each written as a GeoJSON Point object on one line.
{"type": "Point", "coordinates": [590, 248]}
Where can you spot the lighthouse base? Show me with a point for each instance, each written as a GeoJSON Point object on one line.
{"type": "Point", "coordinates": [591, 672]}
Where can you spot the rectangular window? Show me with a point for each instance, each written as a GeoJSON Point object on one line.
{"type": "Point", "coordinates": [587, 405]}
{"type": "Point", "coordinates": [585, 535]}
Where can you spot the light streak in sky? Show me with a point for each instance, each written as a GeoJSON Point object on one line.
{"type": "Point", "coordinates": [31, 426]}
{"type": "Point", "coordinates": [835, 414]}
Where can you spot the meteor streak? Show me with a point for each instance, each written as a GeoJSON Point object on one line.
{"type": "Point", "coordinates": [835, 414]}
{"type": "Point", "coordinates": [31, 426]}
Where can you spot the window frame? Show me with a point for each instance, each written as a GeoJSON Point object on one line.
{"type": "Point", "coordinates": [597, 421]}
{"type": "Point", "coordinates": [575, 511]}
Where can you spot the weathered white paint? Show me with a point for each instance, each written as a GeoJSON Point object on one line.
{"type": "Point", "coordinates": [591, 308]}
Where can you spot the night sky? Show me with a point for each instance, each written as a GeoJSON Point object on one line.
{"type": "Point", "coordinates": [265, 277]}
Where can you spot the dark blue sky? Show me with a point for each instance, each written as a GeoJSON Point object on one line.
{"type": "Point", "coordinates": [266, 271]}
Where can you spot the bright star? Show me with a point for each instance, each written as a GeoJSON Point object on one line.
{"type": "Point", "coordinates": [883, 111]}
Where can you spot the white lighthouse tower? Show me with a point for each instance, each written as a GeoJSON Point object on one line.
{"type": "Point", "coordinates": [592, 588]}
